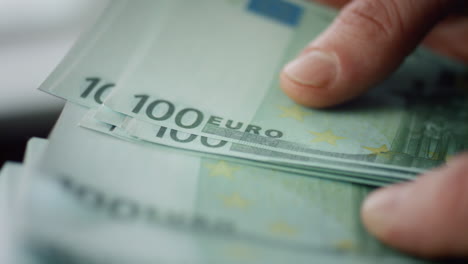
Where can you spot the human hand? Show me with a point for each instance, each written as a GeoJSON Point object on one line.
{"type": "Point", "coordinates": [367, 42]}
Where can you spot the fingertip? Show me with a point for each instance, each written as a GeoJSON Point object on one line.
{"type": "Point", "coordinates": [365, 43]}
{"type": "Point", "coordinates": [426, 217]}
{"type": "Point", "coordinates": [310, 79]}
{"type": "Point", "coordinates": [380, 213]}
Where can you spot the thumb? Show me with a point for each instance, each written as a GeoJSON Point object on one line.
{"type": "Point", "coordinates": [427, 217]}
{"type": "Point", "coordinates": [365, 43]}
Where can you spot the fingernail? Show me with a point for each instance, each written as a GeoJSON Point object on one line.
{"type": "Point", "coordinates": [316, 68]}
{"type": "Point", "coordinates": [380, 209]}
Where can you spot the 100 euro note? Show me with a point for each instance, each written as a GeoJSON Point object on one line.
{"type": "Point", "coordinates": [104, 53]}
{"type": "Point", "coordinates": [225, 90]}
{"type": "Point", "coordinates": [362, 128]}
{"type": "Point", "coordinates": [149, 203]}
{"type": "Point", "coordinates": [412, 121]}
{"type": "Point", "coordinates": [349, 175]}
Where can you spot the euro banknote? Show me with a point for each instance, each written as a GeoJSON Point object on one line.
{"type": "Point", "coordinates": [235, 97]}
{"type": "Point", "coordinates": [143, 204]}
{"type": "Point", "coordinates": [316, 167]}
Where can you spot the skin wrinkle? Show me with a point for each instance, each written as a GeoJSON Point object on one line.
{"type": "Point", "coordinates": [357, 17]}
{"type": "Point", "coordinates": [400, 23]}
{"type": "Point", "coordinates": [441, 38]}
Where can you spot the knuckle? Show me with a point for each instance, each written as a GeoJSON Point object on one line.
{"type": "Point", "coordinates": [376, 19]}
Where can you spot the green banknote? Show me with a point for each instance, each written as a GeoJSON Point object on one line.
{"type": "Point", "coordinates": [105, 200]}
{"type": "Point", "coordinates": [355, 175]}
{"type": "Point", "coordinates": [103, 52]}
{"type": "Point", "coordinates": [106, 50]}
{"type": "Point", "coordinates": [222, 96]}
{"type": "Point", "coordinates": [81, 223]}
{"type": "Point", "coordinates": [201, 89]}
{"type": "Point", "coordinates": [317, 167]}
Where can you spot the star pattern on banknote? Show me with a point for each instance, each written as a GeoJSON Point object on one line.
{"type": "Point", "coordinates": [434, 155]}
{"type": "Point", "coordinates": [222, 168]}
{"type": "Point", "coordinates": [282, 228]}
{"type": "Point", "coordinates": [377, 151]}
{"type": "Point", "coordinates": [326, 136]}
{"type": "Point", "coordinates": [294, 112]}
{"type": "Point", "coordinates": [235, 201]}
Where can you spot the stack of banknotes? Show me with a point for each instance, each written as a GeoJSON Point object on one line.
{"type": "Point", "coordinates": [178, 146]}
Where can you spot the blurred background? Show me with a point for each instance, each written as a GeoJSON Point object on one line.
{"type": "Point", "coordinates": [34, 37]}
